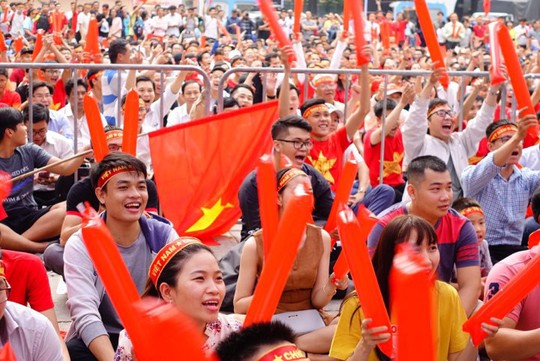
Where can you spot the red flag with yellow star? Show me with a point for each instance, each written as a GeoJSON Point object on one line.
{"type": "Point", "coordinates": [199, 167]}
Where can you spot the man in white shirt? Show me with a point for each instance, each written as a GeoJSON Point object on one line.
{"type": "Point", "coordinates": [211, 24]}
{"type": "Point", "coordinates": [174, 21]}
{"type": "Point", "coordinates": [83, 21]}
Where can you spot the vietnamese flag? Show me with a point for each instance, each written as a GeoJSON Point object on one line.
{"type": "Point", "coordinates": [199, 167]}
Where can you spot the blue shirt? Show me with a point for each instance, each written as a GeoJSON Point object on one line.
{"type": "Point", "coordinates": [503, 201]}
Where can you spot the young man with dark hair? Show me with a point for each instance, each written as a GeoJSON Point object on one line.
{"type": "Point", "coordinates": [9, 97]}
{"type": "Point", "coordinates": [502, 189]}
{"type": "Point", "coordinates": [261, 341]}
{"type": "Point", "coordinates": [119, 181]}
{"type": "Point", "coordinates": [42, 93]}
{"type": "Point", "coordinates": [291, 136]}
{"type": "Point", "coordinates": [16, 158]}
{"type": "Point", "coordinates": [430, 189]}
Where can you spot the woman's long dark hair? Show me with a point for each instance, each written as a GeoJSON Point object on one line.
{"type": "Point", "coordinates": [398, 231]}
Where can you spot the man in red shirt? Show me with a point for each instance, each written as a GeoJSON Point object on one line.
{"type": "Point", "coordinates": [11, 98]}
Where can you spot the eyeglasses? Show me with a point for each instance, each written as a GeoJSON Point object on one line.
{"type": "Point", "coordinates": [42, 96]}
{"type": "Point", "coordinates": [41, 132]}
{"type": "Point", "coordinates": [114, 147]}
{"type": "Point", "coordinates": [298, 144]}
{"type": "Point", "coordinates": [53, 71]}
{"type": "Point", "coordinates": [443, 113]}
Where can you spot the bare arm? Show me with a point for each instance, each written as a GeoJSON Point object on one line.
{"type": "Point", "coordinates": [246, 277]}
{"type": "Point", "coordinates": [510, 344]}
{"type": "Point", "coordinates": [102, 348]}
{"type": "Point", "coordinates": [51, 315]}
{"type": "Point", "coordinates": [72, 224]}
{"type": "Point", "coordinates": [67, 168]}
{"type": "Point", "coordinates": [469, 284]}
{"type": "Point", "coordinates": [284, 93]}
{"type": "Point", "coordinates": [324, 288]}
{"type": "Point", "coordinates": [357, 118]}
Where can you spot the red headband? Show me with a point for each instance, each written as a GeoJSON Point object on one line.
{"type": "Point", "coordinates": [288, 176]}
{"type": "Point", "coordinates": [287, 352]}
{"type": "Point", "coordinates": [313, 109]}
{"type": "Point", "coordinates": [166, 254]}
{"type": "Point", "coordinates": [501, 130]}
{"type": "Point", "coordinates": [108, 174]}
{"type": "Point", "coordinates": [471, 210]}
{"type": "Point", "coordinates": [114, 134]}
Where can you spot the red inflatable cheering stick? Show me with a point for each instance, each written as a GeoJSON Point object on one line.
{"type": "Point", "coordinates": [355, 7]}
{"type": "Point", "coordinates": [267, 189]}
{"type": "Point", "coordinates": [131, 123]}
{"type": "Point", "coordinates": [276, 269]}
{"type": "Point", "coordinates": [496, 73]}
{"type": "Point", "coordinates": [411, 289]}
{"type": "Point", "coordinates": [269, 12]}
{"type": "Point", "coordinates": [431, 39]}
{"type": "Point", "coordinates": [367, 222]}
{"type": "Point", "coordinates": [298, 7]}
{"type": "Point", "coordinates": [7, 354]}
{"type": "Point", "coordinates": [97, 134]}
{"type": "Point", "coordinates": [343, 190]}
{"type": "Point", "coordinates": [505, 300]}
{"type": "Point", "coordinates": [519, 84]}
{"type": "Point", "coordinates": [362, 273]}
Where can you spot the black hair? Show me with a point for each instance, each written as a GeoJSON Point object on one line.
{"type": "Point", "coordinates": [436, 102]}
{"type": "Point", "coordinates": [379, 106]}
{"type": "Point", "coordinates": [40, 84]}
{"type": "Point", "coordinates": [174, 266]}
{"type": "Point", "coordinates": [200, 56]}
{"type": "Point", "coordinates": [70, 85]}
{"type": "Point", "coordinates": [187, 82]}
{"type": "Point", "coordinates": [291, 87]}
{"type": "Point", "coordinates": [535, 204]}
{"type": "Point", "coordinates": [117, 46]}
{"type": "Point", "coordinates": [228, 102]}
{"type": "Point", "coordinates": [113, 160]}
{"type": "Point", "coordinates": [281, 127]}
{"type": "Point", "coordinates": [9, 119]}
{"type": "Point", "coordinates": [142, 78]}
{"type": "Point", "coordinates": [244, 344]}
{"type": "Point", "coordinates": [4, 72]}
{"type": "Point", "coordinates": [311, 102]}
{"type": "Point", "coordinates": [39, 113]}
{"type": "Point", "coordinates": [496, 125]}
{"type": "Point", "coordinates": [245, 86]}
{"type": "Point", "coordinates": [417, 167]}
{"type": "Point", "coordinates": [464, 202]}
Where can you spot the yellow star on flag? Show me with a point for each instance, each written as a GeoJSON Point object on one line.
{"type": "Point", "coordinates": [324, 165]}
{"type": "Point", "coordinates": [278, 358]}
{"type": "Point", "coordinates": [209, 216]}
{"type": "Point", "coordinates": [392, 166]}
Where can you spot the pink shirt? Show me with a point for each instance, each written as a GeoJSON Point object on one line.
{"type": "Point", "coordinates": [526, 312]}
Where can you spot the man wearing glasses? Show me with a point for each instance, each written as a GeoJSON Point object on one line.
{"type": "Point", "coordinates": [30, 334]}
{"type": "Point", "coordinates": [42, 93]}
{"type": "Point", "coordinates": [437, 137]}
{"type": "Point", "coordinates": [502, 189]}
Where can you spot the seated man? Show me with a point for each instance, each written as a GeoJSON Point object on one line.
{"type": "Point", "coordinates": [430, 187]}
{"type": "Point", "coordinates": [291, 139]}
{"type": "Point", "coordinates": [260, 341]}
{"type": "Point", "coordinates": [502, 189]}
{"type": "Point", "coordinates": [30, 334]}
{"type": "Point", "coordinates": [23, 217]}
{"type": "Point", "coordinates": [119, 181]}
{"type": "Point", "coordinates": [81, 192]}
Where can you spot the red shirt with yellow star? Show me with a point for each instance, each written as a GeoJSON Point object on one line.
{"type": "Point", "coordinates": [393, 159]}
{"type": "Point", "coordinates": [327, 156]}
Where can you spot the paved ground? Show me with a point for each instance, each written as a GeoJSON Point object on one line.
{"type": "Point", "coordinates": [60, 296]}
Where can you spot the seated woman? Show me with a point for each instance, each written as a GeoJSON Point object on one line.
{"type": "Point", "coordinates": [186, 273]}
{"type": "Point", "coordinates": [355, 339]}
{"type": "Point", "coordinates": [308, 285]}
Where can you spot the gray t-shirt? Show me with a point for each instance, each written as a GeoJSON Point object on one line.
{"type": "Point", "coordinates": [25, 159]}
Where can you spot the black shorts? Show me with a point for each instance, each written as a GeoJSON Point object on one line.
{"type": "Point", "coordinates": [21, 219]}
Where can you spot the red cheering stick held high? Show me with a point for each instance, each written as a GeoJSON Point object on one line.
{"type": "Point", "coordinates": [38, 45]}
{"type": "Point", "coordinates": [18, 44]}
{"type": "Point", "coordinates": [363, 275]}
{"type": "Point", "coordinates": [3, 46]}
{"type": "Point", "coordinates": [519, 84]}
{"type": "Point", "coordinates": [505, 300]}
{"type": "Point", "coordinates": [343, 191]}
{"type": "Point", "coordinates": [298, 7]}
{"type": "Point", "coordinates": [346, 15]}
{"type": "Point", "coordinates": [276, 270]}
{"type": "Point", "coordinates": [97, 134]}
{"type": "Point", "coordinates": [355, 7]}
{"type": "Point", "coordinates": [411, 287]}
{"type": "Point", "coordinates": [431, 39]}
{"type": "Point", "coordinates": [131, 123]}
{"type": "Point", "coordinates": [268, 209]}
{"type": "Point", "coordinates": [487, 8]}
{"type": "Point", "coordinates": [267, 9]}
{"type": "Point", "coordinates": [496, 73]}
{"type": "Point", "coordinates": [92, 38]}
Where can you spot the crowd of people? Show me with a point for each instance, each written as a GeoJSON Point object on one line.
{"type": "Point", "coordinates": [465, 194]}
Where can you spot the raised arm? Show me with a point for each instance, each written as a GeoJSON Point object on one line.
{"type": "Point", "coordinates": [356, 119]}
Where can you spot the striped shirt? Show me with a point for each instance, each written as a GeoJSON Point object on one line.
{"type": "Point", "coordinates": [112, 90]}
